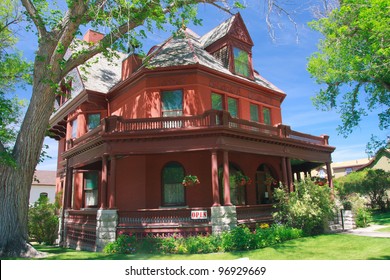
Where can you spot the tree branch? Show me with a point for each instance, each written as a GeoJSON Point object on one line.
{"type": "Point", "coordinates": [36, 18]}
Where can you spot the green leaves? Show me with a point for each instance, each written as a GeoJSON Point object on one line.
{"type": "Point", "coordinates": [353, 62]}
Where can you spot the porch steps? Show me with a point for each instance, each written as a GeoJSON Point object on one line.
{"type": "Point", "coordinates": [335, 227]}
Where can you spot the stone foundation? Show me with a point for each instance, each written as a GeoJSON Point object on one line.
{"type": "Point", "coordinates": [223, 218]}
{"type": "Point", "coordinates": [106, 223]}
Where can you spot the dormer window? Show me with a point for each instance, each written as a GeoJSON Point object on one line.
{"type": "Point", "coordinates": [241, 62]}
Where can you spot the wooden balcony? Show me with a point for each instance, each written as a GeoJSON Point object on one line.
{"type": "Point", "coordinates": [115, 125]}
{"type": "Point", "coordinates": [211, 123]}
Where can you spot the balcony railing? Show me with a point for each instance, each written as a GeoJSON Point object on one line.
{"type": "Point", "coordinates": [118, 126]}
{"type": "Point", "coordinates": [212, 118]}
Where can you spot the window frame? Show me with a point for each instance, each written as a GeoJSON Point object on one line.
{"type": "Point", "coordinates": [263, 116]}
{"type": "Point", "coordinates": [253, 105]}
{"type": "Point", "coordinates": [177, 114]}
{"type": "Point", "coordinates": [235, 66]}
{"type": "Point", "coordinates": [164, 203]}
{"type": "Point", "coordinates": [91, 114]}
{"type": "Point", "coordinates": [94, 190]}
{"type": "Point", "coordinates": [225, 103]}
{"type": "Point", "coordinates": [74, 128]}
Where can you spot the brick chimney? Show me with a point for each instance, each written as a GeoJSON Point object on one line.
{"type": "Point", "coordinates": [130, 65]}
{"type": "Point", "coordinates": [93, 36]}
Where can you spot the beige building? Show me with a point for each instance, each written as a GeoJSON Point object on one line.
{"type": "Point", "coordinates": [44, 184]}
{"type": "Point", "coordinates": [380, 161]}
{"type": "Point", "coordinates": [340, 169]}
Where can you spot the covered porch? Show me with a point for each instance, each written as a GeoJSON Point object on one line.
{"type": "Point", "coordinates": [129, 173]}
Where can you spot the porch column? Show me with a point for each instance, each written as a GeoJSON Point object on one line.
{"type": "Point", "coordinates": [290, 175]}
{"type": "Point", "coordinates": [226, 179]}
{"type": "Point", "coordinates": [112, 184]}
{"type": "Point", "coordinates": [284, 171]}
{"type": "Point", "coordinates": [103, 184]}
{"type": "Point", "coordinates": [68, 188]}
{"type": "Point", "coordinates": [330, 179]}
{"type": "Point", "coordinates": [214, 178]}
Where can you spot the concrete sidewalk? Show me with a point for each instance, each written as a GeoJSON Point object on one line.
{"type": "Point", "coordinates": [369, 231]}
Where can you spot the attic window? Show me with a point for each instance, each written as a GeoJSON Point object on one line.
{"type": "Point", "coordinates": [223, 56]}
{"type": "Point", "coordinates": [241, 62]}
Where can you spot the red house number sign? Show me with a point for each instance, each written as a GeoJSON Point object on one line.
{"type": "Point", "coordinates": [199, 214]}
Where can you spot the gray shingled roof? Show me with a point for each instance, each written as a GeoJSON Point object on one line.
{"type": "Point", "coordinates": [188, 49]}
{"type": "Point", "coordinates": [103, 74]}
{"type": "Point", "coordinates": [217, 33]}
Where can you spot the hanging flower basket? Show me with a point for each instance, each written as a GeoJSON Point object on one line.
{"type": "Point", "coordinates": [319, 181]}
{"type": "Point", "coordinates": [242, 180]}
{"type": "Point", "coordinates": [269, 180]}
{"type": "Point", "coordinates": [190, 180]}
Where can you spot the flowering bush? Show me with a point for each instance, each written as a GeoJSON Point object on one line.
{"type": "Point", "coordinates": [124, 244]}
{"type": "Point", "coordinates": [242, 180]}
{"type": "Point", "coordinates": [190, 180]}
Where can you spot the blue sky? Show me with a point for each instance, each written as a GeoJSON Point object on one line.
{"type": "Point", "coordinates": [282, 62]}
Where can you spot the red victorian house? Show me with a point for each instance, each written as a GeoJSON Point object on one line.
{"type": "Point", "coordinates": [194, 106]}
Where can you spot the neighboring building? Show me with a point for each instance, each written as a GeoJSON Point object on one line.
{"type": "Point", "coordinates": [195, 105]}
{"type": "Point", "coordinates": [44, 184]}
{"type": "Point", "coordinates": [380, 161]}
{"type": "Point", "coordinates": [344, 168]}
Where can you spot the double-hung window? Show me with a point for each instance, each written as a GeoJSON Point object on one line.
{"type": "Point", "coordinates": [266, 115]}
{"type": "Point", "coordinates": [172, 103]}
{"type": "Point", "coordinates": [173, 190]}
{"type": "Point", "coordinates": [91, 189]}
{"type": "Point", "coordinates": [241, 62]}
{"type": "Point", "coordinates": [254, 112]}
{"type": "Point", "coordinates": [93, 121]}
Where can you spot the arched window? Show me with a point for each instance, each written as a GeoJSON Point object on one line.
{"type": "Point", "coordinates": [172, 189]}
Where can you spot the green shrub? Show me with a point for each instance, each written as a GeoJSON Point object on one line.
{"type": "Point", "coordinates": [43, 221]}
{"type": "Point", "coordinates": [124, 244]}
{"type": "Point", "coordinates": [238, 239]}
{"type": "Point", "coordinates": [309, 207]}
{"type": "Point", "coordinates": [362, 217]}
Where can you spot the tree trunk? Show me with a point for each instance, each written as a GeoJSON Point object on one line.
{"type": "Point", "coordinates": [15, 182]}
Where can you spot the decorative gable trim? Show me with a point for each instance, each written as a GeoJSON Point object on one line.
{"type": "Point", "coordinates": [239, 31]}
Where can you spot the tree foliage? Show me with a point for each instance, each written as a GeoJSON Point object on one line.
{"type": "Point", "coordinates": [373, 183]}
{"type": "Point", "coordinates": [14, 70]}
{"type": "Point", "coordinates": [353, 62]}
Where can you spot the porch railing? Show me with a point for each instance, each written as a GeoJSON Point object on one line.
{"type": "Point", "coordinates": [253, 214]}
{"type": "Point", "coordinates": [80, 229]}
{"type": "Point", "coordinates": [163, 222]}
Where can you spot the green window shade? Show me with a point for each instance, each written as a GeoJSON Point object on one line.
{"type": "Point", "coordinates": [232, 107]}
{"type": "Point", "coordinates": [93, 121]}
{"type": "Point", "coordinates": [267, 116]}
{"type": "Point", "coordinates": [91, 180]}
{"type": "Point", "coordinates": [217, 101]}
{"type": "Point", "coordinates": [254, 111]}
{"type": "Point", "coordinates": [172, 103]}
{"type": "Point", "coordinates": [173, 190]}
{"type": "Point", "coordinates": [241, 62]}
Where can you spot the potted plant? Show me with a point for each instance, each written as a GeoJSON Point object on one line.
{"type": "Point", "coordinates": [190, 180]}
{"type": "Point", "coordinates": [242, 180]}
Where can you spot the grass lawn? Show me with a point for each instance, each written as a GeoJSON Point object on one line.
{"type": "Point", "coordinates": [381, 218]}
{"type": "Point", "coordinates": [322, 247]}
